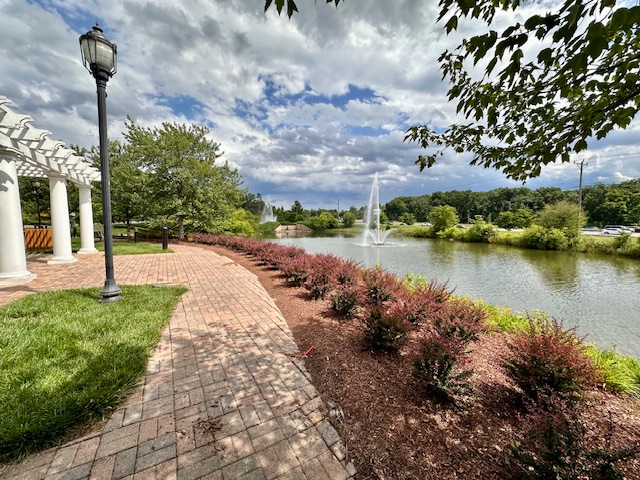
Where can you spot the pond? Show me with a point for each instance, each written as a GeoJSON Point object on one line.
{"type": "Point", "coordinates": [599, 294]}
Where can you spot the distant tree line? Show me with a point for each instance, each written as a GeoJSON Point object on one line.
{"type": "Point", "coordinates": [601, 204]}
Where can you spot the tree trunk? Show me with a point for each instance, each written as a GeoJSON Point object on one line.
{"type": "Point", "coordinates": [181, 223]}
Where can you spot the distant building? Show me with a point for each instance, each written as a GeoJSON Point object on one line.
{"type": "Point", "coordinates": [297, 229]}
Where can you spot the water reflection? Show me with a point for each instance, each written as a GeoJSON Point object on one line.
{"type": "Point", "coordinates": [560, 268]}
{"type": "Point", "coordinates": [596, 293]}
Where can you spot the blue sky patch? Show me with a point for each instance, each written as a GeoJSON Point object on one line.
{"type": "Point", "coordinates": [182, 105]}
{"type": "Point", "coordinates": [366, 131]}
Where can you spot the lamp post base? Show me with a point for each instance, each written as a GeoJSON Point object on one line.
{"type": "Point", "coordinates": [110, 292]}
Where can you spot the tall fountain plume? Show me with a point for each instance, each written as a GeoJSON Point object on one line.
{"type": "Point", "coordinates": [372, 227]}
{"type": "Point", "coordinates": [267, 212]}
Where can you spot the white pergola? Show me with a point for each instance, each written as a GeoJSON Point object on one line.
{"type": "Point", "coordinates": [26, 151]}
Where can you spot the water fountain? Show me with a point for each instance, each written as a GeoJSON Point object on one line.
{"type": "Point", "coordinates": [372, 227]}
{"type": "Point", "coordinates": [267, 212]}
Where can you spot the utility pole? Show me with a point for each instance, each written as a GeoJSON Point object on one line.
{"type": "Point", "coordinates": [338, 209]}
{"type": "Point", "coordinates": [581, 164]}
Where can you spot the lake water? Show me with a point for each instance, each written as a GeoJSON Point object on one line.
{"type": "Point", "coordinates": [600, 294]}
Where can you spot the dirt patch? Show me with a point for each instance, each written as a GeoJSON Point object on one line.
{"type": "Point", "coordinates": [393, 430]}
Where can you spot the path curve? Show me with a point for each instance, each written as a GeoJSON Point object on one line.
{"type": "Point", "coordinates": [225, 395]}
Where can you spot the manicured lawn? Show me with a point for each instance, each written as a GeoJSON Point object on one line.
{"type": "Point", "coordinates": [125, 247]}
{"type": "Point", "coordinates": [66, 359]}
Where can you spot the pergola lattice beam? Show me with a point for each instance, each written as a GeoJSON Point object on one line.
{"type": "Point", "coordinates": [38, 154]}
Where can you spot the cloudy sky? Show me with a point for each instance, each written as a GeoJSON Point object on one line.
{"type": "Point", "coordinates": [307, 109]}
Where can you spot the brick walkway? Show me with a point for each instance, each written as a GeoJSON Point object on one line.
{"type": "Point", "coordinates": [225, 395]}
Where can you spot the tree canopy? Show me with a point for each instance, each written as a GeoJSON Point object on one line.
{"type": "Point", "coordinates": [551, 82]}
{"type": "Point", "coordinates": [443, 217]}
{"type": "Point", "coordinates": [185, 186]}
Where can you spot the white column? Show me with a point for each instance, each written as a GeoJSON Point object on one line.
{"type": "Point", "coordinates": [87, 244]}
{"type": "Point", "coordinates": [60, 227]}
{"type": "Point", "coordinates": [13, 259]}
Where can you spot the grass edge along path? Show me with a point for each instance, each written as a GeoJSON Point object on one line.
{"type": "Point", "coordinates": [67, 360]}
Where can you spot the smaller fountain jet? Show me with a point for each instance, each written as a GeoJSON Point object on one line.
{"type": "Point", "coordinates": [267, 212]}
{"type": "Point", "coordinates": [372, 227]}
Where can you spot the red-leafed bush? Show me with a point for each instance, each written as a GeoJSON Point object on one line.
{"type": "Point", "coordinates": [385, 327]}
{"type": "Point", "coordinates": [435, 292]}
{"type": "Point", "coordinates": [285, 252]}
{"type": "Point", "coordinates": [348, 272]}
{"type": "Point", "coordinates": [553, 444]}
{"type": "Point", "coordinates": [439, 366]}
{"type": "Point", "coordinates": [380, 286]}
{"type": "Point", "coordinates": [459, 319]}
{"type": "Point", "coordinates": [296, 269]}
{"type": "Point", "coordinates": [273, 255]}
{"type": "Point", "coordinates": [415, 307]}
{"type": "Point", "coordinates": [547, 359]}
{"type": "Point", "coordinates": [346, 299]}
{"type": "Point", "coordinates": [321, 274]}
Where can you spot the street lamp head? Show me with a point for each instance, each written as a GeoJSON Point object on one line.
{"type": "Point", "coordinates": [98, 53]}
{"type": "Point", "coordinates": [35, 184]}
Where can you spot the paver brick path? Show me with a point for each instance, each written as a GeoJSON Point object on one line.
{"type": "Point", "coordinates": [225, 395]}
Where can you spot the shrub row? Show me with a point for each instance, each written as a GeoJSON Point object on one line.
{"type": "Point", "coordinates": [542, 358]}
{"type": "Point", "coordinates": [548, 363]}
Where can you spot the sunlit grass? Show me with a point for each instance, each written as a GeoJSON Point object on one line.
{"type": "Point", "coordinates": [621, 374]}
{"type": "Point", "coordinates": [67, 359]}
{"type": "Point", "coordinates": [125, 247]}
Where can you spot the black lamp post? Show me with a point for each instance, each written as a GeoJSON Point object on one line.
{"type": "Point", "coordinates": [36, 190]}
{"type": "Point", "coordinates": [99, 57]}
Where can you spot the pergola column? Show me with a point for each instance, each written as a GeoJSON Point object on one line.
{"type": "Point", "coordinates": [13, 259]}
{"type": "Point", "coordinates": [87, 245]}
{"type": "Point", "coordinates": [60, 226]}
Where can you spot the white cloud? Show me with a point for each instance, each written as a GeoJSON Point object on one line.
{"type": "Point", "coordinates": [259, 80]}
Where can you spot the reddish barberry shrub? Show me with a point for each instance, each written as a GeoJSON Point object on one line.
{"type": "Point", "coordinates": [380, 286]}
{"type": "Point", "coordinates": [284, 253]}
{"type": "Point", "coordinates": [321, 274]}
{"type": "Point", "coordinates": [263, 253]}
{"type": "Point", "coordinates": [435, 292]}
{"type": "Point", "coordinates": [554, 444]}
{"type": "Point", "coordinates": [547, 359]}
{"type": "Point", "coordinates": [348, 272]}
{"type": "Point", "coordinates": [440, 366]}
{"type": "Point", "coordinates": [416, 308]}
{"type": "Point", "coordinates": [459, 319]}
{"type": "Point", "coordinates": [346, 299]}
{"type": "Point", "coordinates": [296, 269]}
{"type": "Point", "coordinates": [385, 327]}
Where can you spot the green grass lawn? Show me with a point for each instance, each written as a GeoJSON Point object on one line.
{"type": "Point", "coordinates": [67, 359]}
{"type": "Point", "coordinates": [125, 247]}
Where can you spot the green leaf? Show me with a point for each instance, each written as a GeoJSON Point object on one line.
{"type": "Point", "coordinates": [452, 24]}
{"type": "Point", "coordinates": [532, 22]}
{"type": "Point", "coordinates": [291, 7]}
{"type": "Point", "coordinates": [545, 56]}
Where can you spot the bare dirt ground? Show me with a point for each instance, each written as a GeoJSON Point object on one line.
{"type": "Point", "coordinates": [392, 429]}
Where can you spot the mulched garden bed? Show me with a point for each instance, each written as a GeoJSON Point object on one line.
{"type": "Point", "coordinates": [394, 430]}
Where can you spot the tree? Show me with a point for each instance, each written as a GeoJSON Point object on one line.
{"type": "Point", "coordinates": [128, 183]}
{"type": "Point", "coordinates": [186, 187]}
{"type": "Point", "coordinates": [407, 218]}
{"type": "Point", "coordinates": [396, 207]}
{"type": "Point", "coordinates": [348, 219]}
{"type": "Point", "coordinates": [520, 219]}
{"type": "Point", "coordinates": [443, 217]}
{"type": "Point", "coordinates": [524, 113]}
{"type": "Point", "coordinates": [323, 221]}
{"type": "Point", "coordinates": [297, 208]}
{"type": "Point", "coordinates": [561, 215]}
